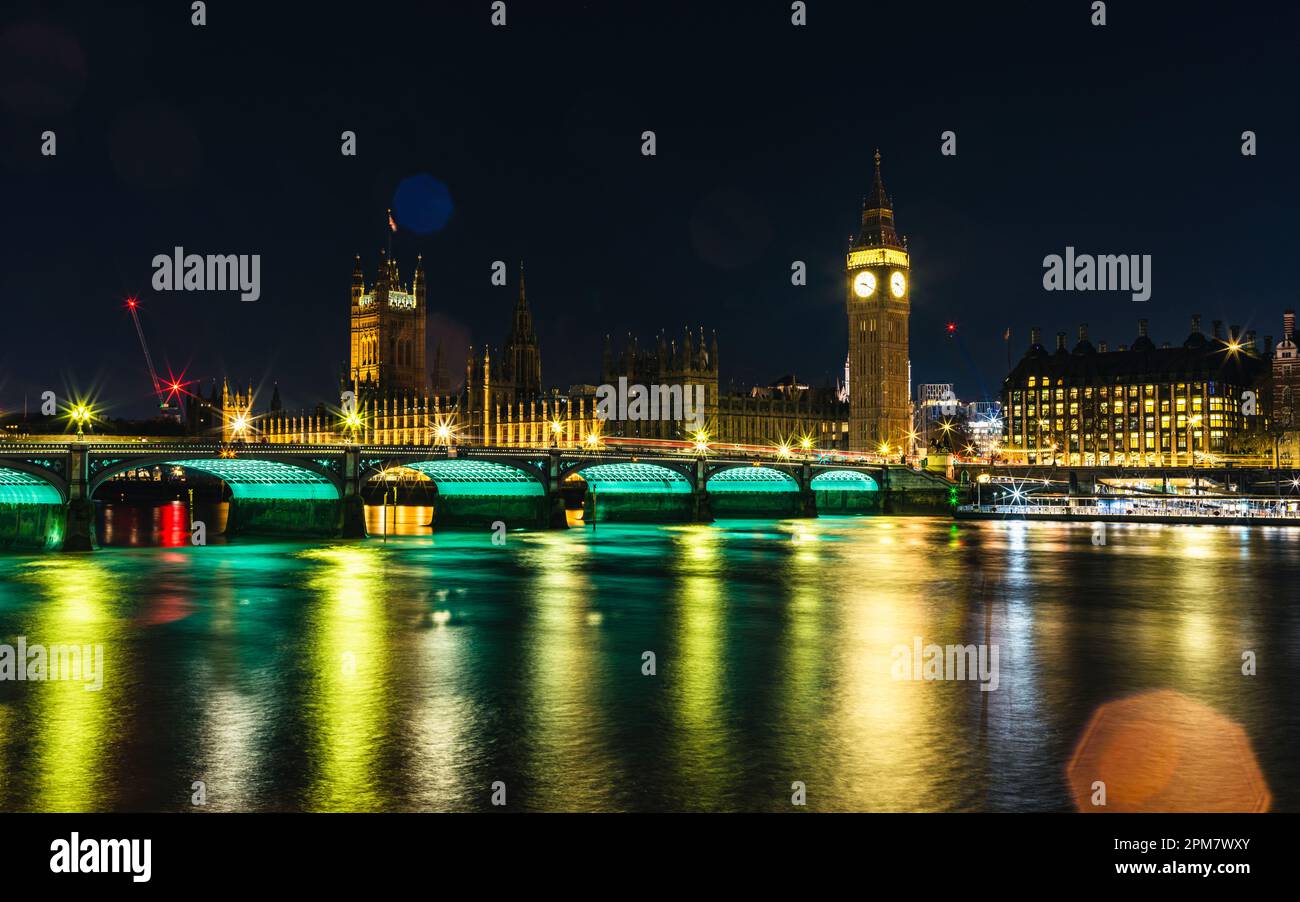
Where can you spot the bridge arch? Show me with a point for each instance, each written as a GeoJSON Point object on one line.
{"type": "Point", "coordinates": [472, 491]}
{"type": "Point", "coordinates": [844, 480]}
{"type": "Point", "coordinates": [633, 477]}
{"type": "Point", "coordinates": [634, 491]}
{"type": "Point", "coordinates": [25, 483]}
{"type": "Point", "coordinates": [470, 476]}
{"type": "Point", "coordinates": [31, 507]}
{"type": "Point", "coordinates": [745, 490]}
{"type": "Point", "coordinates": [846, 492]}
{"type": "Point", "coordinates": [277, 496]}
{"type": "Point", "coordinates": [248, 477]}
{"type": "Point", "coordinates": [747, 478]}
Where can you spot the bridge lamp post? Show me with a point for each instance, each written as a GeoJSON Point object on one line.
{"type": "Point", "coordinates": [81, 415]}
{"type": "Point", "coordinates": [557, 428]}
{"type": "Point", "coordinates": [443, 434]}
{"type": "Point", "coordinates": [701, 439]}
{"type": "Point", "coordinates": [352, 421]}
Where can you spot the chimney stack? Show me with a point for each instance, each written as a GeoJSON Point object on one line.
{"type": "Point", "coordinates": [1142, 328]}
{"type": "Point", "coordinates": [1060, 341]}
{"type": "Point", "coordinates": [1288, 325]}
{"type": "Point", "coordinates": [1083, 331]}
{"type": "Point", "coordinates": [1196, 323]}
{"type": "Point", "coordinates": [1268, 345]}
{"type": "Point", "coordinates": [1101, 347]}
{"type": "Point", "coordinates": [1218, 329]}
{"type": "Point", "coordinates": [1035, 336]}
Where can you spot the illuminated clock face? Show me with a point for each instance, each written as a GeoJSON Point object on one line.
{"type": "Point", "coordinates": [864, 284]}
{"type": "Point", "coordinates": [898, 284]}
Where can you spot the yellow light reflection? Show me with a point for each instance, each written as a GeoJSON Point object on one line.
{"type": "Point", "coordinates": [569, 722]}
{"type": "Point", "coordinates": [702, 739]}
{"type": "Point", "coordinates": [75, 729]}
{"type": "Point", "coordinates": [346, 706]}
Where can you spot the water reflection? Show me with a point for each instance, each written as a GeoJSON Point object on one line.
{"type": "Point", "coordinates": [170, 525]}
{"type": "Point", "coordinates": [347, 705]}
{"type": "Point", "coordinates": [414, 673]}
{"type": "Point", "coordinates": [67, 733]}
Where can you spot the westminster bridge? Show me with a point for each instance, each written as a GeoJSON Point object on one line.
{"type": "Point", "coordinates": [48, 488]}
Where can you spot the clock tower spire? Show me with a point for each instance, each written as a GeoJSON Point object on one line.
{"type": "Point", "coordinates": [878, 288]}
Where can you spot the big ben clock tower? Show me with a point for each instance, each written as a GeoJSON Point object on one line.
{"type": "Point", "coordinates": [879, 290]}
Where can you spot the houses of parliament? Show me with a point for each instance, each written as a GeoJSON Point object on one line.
{"type": "Point", "coordinates": [503, 400]}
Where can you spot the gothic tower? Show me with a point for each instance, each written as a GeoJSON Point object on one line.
{"type": "Point", "coordinates": [878, 287]}
{"type": "Point", "coordinates": [388, 330]}
{"type": "Point", "coordinates": [522, 366]}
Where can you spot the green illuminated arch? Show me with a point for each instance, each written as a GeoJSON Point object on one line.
{"type": "Point", "coordinates": [18, 487]}
{"type": "Point", "coordinates": [264, 479]}
{"type": "Point", "coordinates": [844, 481]}
{"type": "Point", "coordinates": [478, 478]}
{"type": "Point", "coordinates": [752, 479]}
{"type": "Point", "coordinates": [635, 479]}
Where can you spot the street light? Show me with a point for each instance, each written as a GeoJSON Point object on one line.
{"type": "Point", "coordinates": [352, 422]}
{"type": "Point", "coordinates": [81, 415]}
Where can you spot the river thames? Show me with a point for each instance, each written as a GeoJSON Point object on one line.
{"type": "Point", "coordinates": [414, 673]}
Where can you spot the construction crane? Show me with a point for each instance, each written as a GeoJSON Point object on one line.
{"type": "Point", "coordinates": [174, 386]}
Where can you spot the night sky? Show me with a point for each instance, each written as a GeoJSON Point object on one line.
{"type": "Point", "coordinates": [225, 139]}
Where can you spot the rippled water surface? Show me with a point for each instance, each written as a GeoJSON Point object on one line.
{"type": "Point", "coordinates": [411, 674]}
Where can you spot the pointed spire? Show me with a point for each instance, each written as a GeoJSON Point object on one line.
{"type": "Point", "coordinates": [879, 199]}
{"type": "Point", "coordinates": [878, 216]}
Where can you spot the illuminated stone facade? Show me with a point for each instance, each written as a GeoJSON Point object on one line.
{"type": "Point", "coordinates": [502, 401]}
{"type": "Point", "coordinates": [388, 331]}
{"type": "Point", "coordinates": [878, 291]}
{"type": "Point", "coordinates": [1139, 405]}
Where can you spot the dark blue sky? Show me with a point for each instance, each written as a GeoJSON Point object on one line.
{"type": "Point", "coordinates": [225, 139]}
